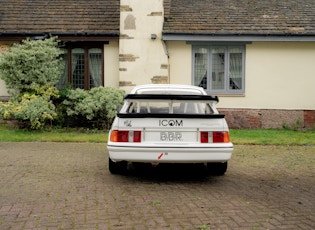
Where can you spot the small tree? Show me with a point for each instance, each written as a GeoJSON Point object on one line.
{"type": "Point", "coordinates": [30, 64]}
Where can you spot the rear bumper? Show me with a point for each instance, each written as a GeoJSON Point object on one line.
{"type": "Point", "coordinates": [170, 155]}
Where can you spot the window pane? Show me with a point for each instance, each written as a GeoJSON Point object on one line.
{"type": "Point", "coordinates": [236, 69]}
{"type": "Point", "coordinates": [63, 81]}
{"type": "Point", "coordinates": [78, 68]}
{"type": "Point", "coordinates": [218, 63]}
{"type": "Point", "coordinates": [170, 107]}
{"type": "Point", "coordinates": [200, 67]}
{"type": "Point", "coordinates": [95, 67]}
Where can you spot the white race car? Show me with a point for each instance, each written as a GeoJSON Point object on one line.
{"type": "Point", "coordinates": [165, 123]}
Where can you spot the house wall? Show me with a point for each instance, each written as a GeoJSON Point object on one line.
{"type": "Point", "coordinates": [279, 82]}
{"type": "Point", "coordinates": [279, 87]}
{"type": "Point", "coordinates": [279, 75]}
{"type": "Point", "coordinates": [111, 56]}
{"type": "Point", "coordinates": [142, 57]}
{"type": "Point", "coordinates": [180, 62]}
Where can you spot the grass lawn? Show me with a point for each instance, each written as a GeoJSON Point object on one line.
{"type": "Point", "coordinates": [242, 137]}
{"type": "Point", "coordinates": [273, 137]}
{"type": "Point", "coordinates": [56, 135]}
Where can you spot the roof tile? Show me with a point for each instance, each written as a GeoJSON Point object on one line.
{"type": "Point", "coordinates": [274, 17]}
{"type": "Point", "coordinates": [59, 16]}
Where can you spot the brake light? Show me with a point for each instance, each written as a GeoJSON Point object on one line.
{"type": "Point", "coordinates": [214, 137]}
{"type": "Point", "coordinates": [136, 136]}
{"type": "Point", "coordinates": [125, 136]}
{"type": "Point", "coordinates": [204, 137]}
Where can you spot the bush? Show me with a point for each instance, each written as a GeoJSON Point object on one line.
{"type": "Point", "coordinates": [33, 111]}
{"type": "Point", "coordinates": [31, 63]}
{"type": "Point", "coordinates": [31, 69]}
{"type": "Point", "coordinates": [95, 108]}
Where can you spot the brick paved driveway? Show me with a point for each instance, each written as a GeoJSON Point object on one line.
{"type": "Point", "coordinates": [68, 186]}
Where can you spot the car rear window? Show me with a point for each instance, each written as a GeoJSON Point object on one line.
{"type": "Point", "coordinates": [169, 107]}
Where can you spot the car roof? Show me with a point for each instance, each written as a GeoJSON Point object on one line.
{"type": "Point", "coordinates": [168, 89]}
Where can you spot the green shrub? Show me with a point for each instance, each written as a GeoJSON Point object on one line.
{"type": "Point", "coordinates": [95, 108]}
{"type": "Point", "coordinates": [33, 111]}
{"type": "Point", "coordinates": [31, 69]}
{"type": "Point", "coordinates": [31, 63]}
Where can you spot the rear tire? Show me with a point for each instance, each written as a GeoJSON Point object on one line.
{"type": "Point", "coordinates": [117, 167]}
{"type": "Point", "coordinates": [217, 169]}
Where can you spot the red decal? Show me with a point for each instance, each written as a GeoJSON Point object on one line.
{"type": "Point", "coordinates": [160, 156]}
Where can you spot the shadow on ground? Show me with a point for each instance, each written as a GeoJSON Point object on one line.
{"type": "Point", "coordinates": [168, 172]}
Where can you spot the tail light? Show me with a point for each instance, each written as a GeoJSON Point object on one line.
{"type": "Point", "coordinates": [214, 137]}
{"type": "Point", "coordinates": [125, 136]}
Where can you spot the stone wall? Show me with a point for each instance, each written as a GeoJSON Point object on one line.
{"type": "Point", "coordinates": [269, 118]}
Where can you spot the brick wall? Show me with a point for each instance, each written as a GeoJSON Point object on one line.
{"type": "Point", "coordinates": [309, 118]}
{"type": "Point", "coordinates": [265, 118]}
{"type": "Point", "coordinates": [241, 118]}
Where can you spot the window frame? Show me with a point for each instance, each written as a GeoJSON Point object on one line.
{"type": "Point", "coordinates": [227, 48]}
{"type": "Point", "coordinates": [86, 46]}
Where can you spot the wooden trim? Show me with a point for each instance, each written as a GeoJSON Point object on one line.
{"type": "Point", "coordinates": [85, 46]}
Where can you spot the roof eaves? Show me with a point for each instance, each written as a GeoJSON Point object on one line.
{"type": "Point", "coordinates": [237, 37]}
{"type": "Point", "coordinates": [66, 36]}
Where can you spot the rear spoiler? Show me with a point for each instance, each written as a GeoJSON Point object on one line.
{"type": "Point", "coordinates": [171, 115]}
{"type": "Point", "coordinates": [172, 97]}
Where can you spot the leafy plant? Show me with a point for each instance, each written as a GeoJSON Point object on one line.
{"type": "Point", "coordinates": [30, 64]}
{"type": "Point", "coordinates": [30, 70]}
{"type": "Point", "coordinates": [294, 126]}
{"type": "Point", "coordinates": [203, 227]}
{"type": "Point", "coordinates": [155, 202]}
{"type": "Point", "coordinates": [96, 107]}
{"type": "Point", "coordinates": [33, 110]}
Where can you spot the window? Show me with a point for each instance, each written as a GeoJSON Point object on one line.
{"type": "Point", "coordinates": [170, 107]}
{"type": "Point", "coordinates": [83, 67]}
{"type": "Point", "coordinates": [219, 69]}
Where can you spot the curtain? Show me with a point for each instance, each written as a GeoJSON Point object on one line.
{"type": "Point", "coordinates": [200, 67]}
{"type": "Point", "coordinates": [236, 71]}
{"type": "Point", "coordinates": [95, 67]}
{"type": "Point", "coordinates": [63, 81]}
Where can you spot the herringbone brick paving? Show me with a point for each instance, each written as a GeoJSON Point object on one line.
{"type": "Point", "coordinates": [68, 186]}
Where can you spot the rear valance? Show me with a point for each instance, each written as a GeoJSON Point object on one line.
{"type": "Point", "coordinates": [171, 97]}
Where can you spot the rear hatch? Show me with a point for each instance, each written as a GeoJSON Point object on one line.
{"type": "Point", "coordinates": [172, 119]}
{"type": "Point", "coordinates": [165, 130]}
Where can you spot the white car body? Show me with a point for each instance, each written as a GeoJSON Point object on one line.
{"type": "Point", "coordinates": [166, 124]}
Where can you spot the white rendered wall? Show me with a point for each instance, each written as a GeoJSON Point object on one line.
{"type": "Point", "coordinates": [111, 64]}
{"type": "Point", "coordinates": [278, 75]}
{"type": "Point", "coordinates": [180, 62]}
{"type": "Point", "coordinates": [142, 59]}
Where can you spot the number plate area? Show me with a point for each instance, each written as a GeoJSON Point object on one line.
{"type": "Point", "coordinates": [170, 136]}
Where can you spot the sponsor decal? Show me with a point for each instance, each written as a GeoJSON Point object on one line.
{"type": "Point", "coordinates": [127, 123]}
{"type": "Point", "coordinates": [171, 123]}
{"type": "Point", "coordinates": [161, 155]}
